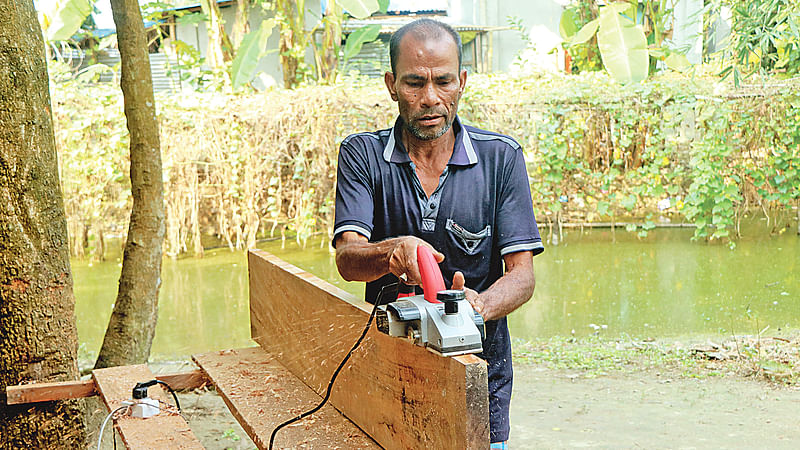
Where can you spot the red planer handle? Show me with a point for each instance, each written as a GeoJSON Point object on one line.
{"type": "Point", "coordinates": [432, 281]}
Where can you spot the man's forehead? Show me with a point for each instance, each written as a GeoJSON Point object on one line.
{"type": "Point", "coordinates": [416, 45]}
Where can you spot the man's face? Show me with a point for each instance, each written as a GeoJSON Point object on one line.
{"type": "Point", "coordinates": [427, 84]}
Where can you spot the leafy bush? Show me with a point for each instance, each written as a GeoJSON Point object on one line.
{"type": "Point", "coordinates": [240, 167]}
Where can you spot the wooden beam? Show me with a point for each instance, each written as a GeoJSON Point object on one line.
{"type": "Point", "coordinates": [183, 381]}
{"type": "Point", "coordinates": [46, 392]}
{"type": "Point", "coordinates": [400, 394]}
{"type": "Point", "coordinates": [164, 430]}
{"type": "Point", "coordinates": [261, 393]}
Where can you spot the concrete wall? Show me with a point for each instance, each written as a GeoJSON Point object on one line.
{"type": "Point", "coordinates": [539, 17]}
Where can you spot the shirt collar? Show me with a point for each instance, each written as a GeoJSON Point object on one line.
{"type": "Point", "coordinates": [463, 151]}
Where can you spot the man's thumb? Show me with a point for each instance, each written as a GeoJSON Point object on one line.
{"type": "Point", "coordinates": [458, 281]}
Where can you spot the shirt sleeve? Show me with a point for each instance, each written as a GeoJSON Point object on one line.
{"type": "Point", "coordinates": [516, 224]}
{"type": "Point", "coordinates": [354, 191]}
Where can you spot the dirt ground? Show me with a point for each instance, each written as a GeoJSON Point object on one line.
{"type": "Point", "coordinates": [565, 409]}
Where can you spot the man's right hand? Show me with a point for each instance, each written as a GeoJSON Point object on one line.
{"type": "Point", "coordinates": [403, 259]}
{"type": "Point", "coordinates": [360, 260]}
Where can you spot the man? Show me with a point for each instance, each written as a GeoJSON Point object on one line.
{"type": "Point", "coordinates": [433, 181]}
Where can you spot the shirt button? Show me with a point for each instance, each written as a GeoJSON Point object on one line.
{"type": "Point", "coordinates": [432, 205]}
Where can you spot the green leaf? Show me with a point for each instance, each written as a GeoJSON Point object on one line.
{"type": "Point", "coordinates": [383, 6]}
{"type": "Point", "coordinates": [358, 38]}
{"type": "Point", "coordinates": [623, 47]}
{"type": "Point", "coordinates": [191, 19]}
{"type": "Point", "coordinates": [360, 9]}
{"type": "Point", "coordinates": [631, 227]}
{"type": "Point", "coordinates": [568, 25]}
{"type": "Point", "coordinates": [585, 33]}
{"type": "Point", "coordinates": [677, 62]}
{"type": "Point", "coordinates": [66, 19]}
{"type": "Point", "coordinates": [621, 8]}
{"type": "Point", "coordinates": [252, 49]}
{"type": "Point", "coordinates": [629, 202]}
{"type": "Point", "coordinates": [602, 208]}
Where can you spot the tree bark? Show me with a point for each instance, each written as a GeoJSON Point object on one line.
{"type": "Point", "coordinates": [331, 43]}
{"type": "Point", "coordinates": [241, 26]}
{"type": "Point", "coordinates": [220, 50]}
{"type": "Point", "coordinates": [131, 328]}
{"type": "Point", "coordinates": [38, 338]}
{"type": "Point", "coordinates": [291, 18]}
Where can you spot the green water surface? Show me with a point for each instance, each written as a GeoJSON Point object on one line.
{"type": "Point", "coordinates": [592, 282]}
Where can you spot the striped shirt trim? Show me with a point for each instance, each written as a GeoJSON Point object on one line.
{"type": "Point", "coordinates": [521, 248]}
{"type": "Point", "coordinates": [360, 230]}
{"type": "Point", "coordinates": [492, 137]}
{"type": "Point", "coordinates": [389, 149]}
{"type": "Point", "coordinates": [471, 155]}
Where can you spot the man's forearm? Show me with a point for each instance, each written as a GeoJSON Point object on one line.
{"type": "Point", "coordinates": [362, 260]}
{"type": "Point", "coordinates": [510, 292]}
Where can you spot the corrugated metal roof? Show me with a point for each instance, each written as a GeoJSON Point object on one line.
{"type": "Point", "coordinates": [166, 77]}
{"type": "Point", "coordinates": [390, 24]}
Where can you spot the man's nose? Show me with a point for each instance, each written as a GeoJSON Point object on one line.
{"type": "Point", "coordinates": [429, 96]}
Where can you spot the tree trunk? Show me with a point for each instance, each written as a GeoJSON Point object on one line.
{"type": "Point", "coordinates": [331, 43]}
{"type": "Point", "coordinates": [220, 50]}
{"type": "Point", "coordinates": [241, 26]}
{"type": "Point", "coordinates": [132, 325]}
{"type": "Point", "coordinates": [38, 338]}
{"type": "Point", "coordinates": [291, 18]}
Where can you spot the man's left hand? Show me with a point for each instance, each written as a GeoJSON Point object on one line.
{"type": "Point", "coordinates": [472, 296]}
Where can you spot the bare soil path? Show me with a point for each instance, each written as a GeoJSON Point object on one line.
{"type": "Point", "coordinates": [566, 409]}
{"type": "Point", "coordinates": [563, 409]}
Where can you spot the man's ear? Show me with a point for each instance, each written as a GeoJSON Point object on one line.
{"type": "Point", "coordinates": [388, 78]}
{"type": "Point", "coordinates": [462, 80]}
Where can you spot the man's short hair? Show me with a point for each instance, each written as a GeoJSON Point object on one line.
{"type": "Point", "coordinates": [424, 29]}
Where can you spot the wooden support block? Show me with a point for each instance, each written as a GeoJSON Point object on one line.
{"type": "Point", "coordinates": [45, 392]}
{"type": "Point", "coordinates": [400, 394]}
{"type": "Point", "coordinates": [164, 430]}
{"type": "Point", "coordinates": [262, 394]}
{"type": "Point", "coordinates": [183, 381]}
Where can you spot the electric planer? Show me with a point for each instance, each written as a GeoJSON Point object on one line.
{"type": "Point", "coordinates": [441, 320]}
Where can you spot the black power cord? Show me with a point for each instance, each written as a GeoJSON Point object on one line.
{"type": "Point", "coordinates": [140, 391]}
{"type": "Point", "coordinates": [336, 372]}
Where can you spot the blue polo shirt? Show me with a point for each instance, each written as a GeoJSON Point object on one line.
{"type": "Point", "coordinates": [480, 211]}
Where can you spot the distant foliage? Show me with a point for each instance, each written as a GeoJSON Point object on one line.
{"type": "Point", "coordinates": [243, 167]}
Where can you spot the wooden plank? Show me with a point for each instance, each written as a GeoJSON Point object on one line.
{"type": "Point", "coordinates": [182, 381]}
{"type": "Point", "coordinates": [45, 392]}
{"type": "Point", "coordinates": [262, 394]}
{"type": "Point", "coordinates": [400, 394]}
{"type": "Point", "coordinates": [164, 430]}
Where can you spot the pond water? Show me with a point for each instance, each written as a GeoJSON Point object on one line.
{"type": "Point", "coordinates": [592, 282]}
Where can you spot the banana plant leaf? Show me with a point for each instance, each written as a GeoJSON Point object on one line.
{"type": "Point", "coordinates": [251, 50]}
{"type": "Point", "coordinates": [358, 38]}
{"type": "Point", "coordinates": [623, 47]}
{"type": "Point", "coordinates": [360, 9]}
{"type": "Point", "coordinates": [585, 33]}
{"type": "Point", "coordinates": [66, 19]}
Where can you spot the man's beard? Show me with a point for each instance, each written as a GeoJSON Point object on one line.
{"type": "Point", "coordinates": [428, 135]}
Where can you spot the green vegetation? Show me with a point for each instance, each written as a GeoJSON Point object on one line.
{"type": "Point", "coordinates": [240, 167]}
{"type": "Point", "coordinates": [774, 359]}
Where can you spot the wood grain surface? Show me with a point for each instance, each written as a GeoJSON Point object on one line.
{"type": "Point", "coordinates": [164, 430]}
{"type": "Point", "coordinates": [402, 395]}
{"type": "Point", "coordinates": [262, 394]}
{"type": "Point", "coordinates": [45, 392]}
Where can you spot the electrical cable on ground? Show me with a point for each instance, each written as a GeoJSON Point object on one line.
{"type": "Point", "coordinates": [336, 372]}
{"type": "Point", "coordinates": [102, 428]}
{"type": "Point", "coordinates": [171, 391]}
